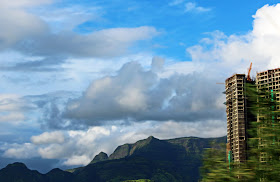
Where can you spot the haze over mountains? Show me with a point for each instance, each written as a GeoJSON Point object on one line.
{"type": "Point", "coordinates": [159, 160]}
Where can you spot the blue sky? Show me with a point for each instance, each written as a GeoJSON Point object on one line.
{"type": "Point", "coordinates": [81, 77]}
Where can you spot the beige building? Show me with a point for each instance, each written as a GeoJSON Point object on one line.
{"type": "Point", "coordinates": [270, 81]}
{"type": "Point", "coordinates": [236, 120]}
{"type": "Point", "coordinates": [236, 108]}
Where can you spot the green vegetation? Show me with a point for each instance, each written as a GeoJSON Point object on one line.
{"type": "Point", "coordinates": [263, 162]}
{"type": "Point", "coordinates": [100, 157]}
{"type": "Point", "coordinates": [153, 160]}
{"type": "Point", "coordinates": [139, 180]}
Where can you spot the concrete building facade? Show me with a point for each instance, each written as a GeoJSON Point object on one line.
{"type": "Point", "coordinates": [237, 111]}
{"type": "Point", "coordinates": [236, 117]}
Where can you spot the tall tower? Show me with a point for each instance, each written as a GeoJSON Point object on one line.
{"type": "Point", "coordinates": [236, 117]}
{"type": "Point", "coordinates": [268, 81]}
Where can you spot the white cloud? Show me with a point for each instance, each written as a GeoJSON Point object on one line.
{"type": "Point", "coordinates": [68, 17]}
{"type": "Point", "coordinates": [13, 102]}
{"type": "Point", "coordinates": [80, 146]}
{"type": "Point", "coordinates": [103, 43]}
{"type": "Point", "coordinates": [192, 7]}
{"type": "Point", "coordinates": [14, 117]}
{"type": "Point", "coordinates": [132, 99]}
{"type": "Point", "coordinates": [176, 2]}
{"type": "Point", "coordinates": [231, 54]}
{"type": "Point", "coordinates": [173, 129]}
{"type": "Point", "coordinates": [17, 24]}
{"type": "Point", "coordinates": [77, 160]}
{"type": "Point", "coordinates": [54, 151]}
{"type": "Point", "coordinates": [39, 33]}
{"type": "Point", "coordinates": [13, 107]}
{"type": "Point", "coordinates": [148, 94]}
{"type": "Point", "coordinates": [24, 3]}
{"type": "Point", "coordinates": [20, 151]}
{"type": "Point", "coordinates": [48, 137]}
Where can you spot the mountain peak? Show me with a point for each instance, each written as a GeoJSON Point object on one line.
{"type": "Point", "coordinates": [151, 138]}
{"type": "Point", "coordinates": [102, 156]}
{"type": "Point", "coordinates": [55, 170]}
{"type": "Point", "coordinates": [17, 165]}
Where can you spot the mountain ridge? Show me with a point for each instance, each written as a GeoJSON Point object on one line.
{"type": "Point", "coordinates": [175, 160]}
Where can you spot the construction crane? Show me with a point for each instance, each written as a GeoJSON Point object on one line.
{"type": "Point", "coordinates": [249, 71]}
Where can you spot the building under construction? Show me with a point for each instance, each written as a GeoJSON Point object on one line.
{"type": "Point", "coordinates": [238, 115]}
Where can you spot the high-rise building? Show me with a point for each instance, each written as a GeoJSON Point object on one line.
{"type": "Point", "coordinates": [270, 80]}
{"type": "Point", "coordinates": [238, 115]}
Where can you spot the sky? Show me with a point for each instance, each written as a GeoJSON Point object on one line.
{"type": "Point", "coordinates": [80, 77]}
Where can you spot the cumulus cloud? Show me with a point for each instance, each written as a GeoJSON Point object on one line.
{"type": "Point", "coordinates": [20, 151]}
{"type": "Point", "coordinates": [157, 64]}
{"type": "Point", "coordinates": [77, 160]}
{"type": "Point", "coordinates": [235, 52]}
{"type": "Point", "coordinates": [48, 137]}
{"type": "Point", "coordinates": [139, 94]}
{"type": "Point", "coordinates": [78, 146]}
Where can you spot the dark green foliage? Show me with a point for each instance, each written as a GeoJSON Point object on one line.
{"type": "Point", "coordinates": [263, 152]}
{"type": "Point", "coordinates": [216, 168]}
{"type": "Point", "coordinates": [18, 172]}
{"type": "Point", "coordinates": [57, 175]}
{"type": "Point", "coordinates": [100, 157]}
{"type": "Point", "coordinates": [139, 180]}
{"type": "Point", "coordinates": [264, 145]}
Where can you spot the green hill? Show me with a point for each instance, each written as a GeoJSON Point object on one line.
{"type": "Point", "coordinates": [173, 160]}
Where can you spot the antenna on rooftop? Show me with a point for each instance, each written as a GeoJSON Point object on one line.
{"type": "Point", "coordinates": [249, 71]}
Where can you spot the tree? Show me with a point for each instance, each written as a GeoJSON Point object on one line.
{"type": "Point", "coordinates": [217, 169]}
{"type": "Point", "coordinates": [263, 143]}
{"type": "Point", "coordinates": [264, 134]}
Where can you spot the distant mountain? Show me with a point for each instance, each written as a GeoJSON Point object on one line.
{"type": "Point", "coordinates": [174, 160]}
{"type": "Point", "coordinates": [100, 157]}
{"type": "Point", "coordinates": [18, 172]}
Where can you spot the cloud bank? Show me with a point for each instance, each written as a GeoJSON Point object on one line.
{"type": "Point", "coordinates": [137, 94]}
{"type": "Point", "coordinates": [24, 31]}
{"type": "Point", "coordinates": [80, 146]}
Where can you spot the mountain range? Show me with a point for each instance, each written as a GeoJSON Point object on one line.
{"type": "Point", "coordinates": [173, 160]}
